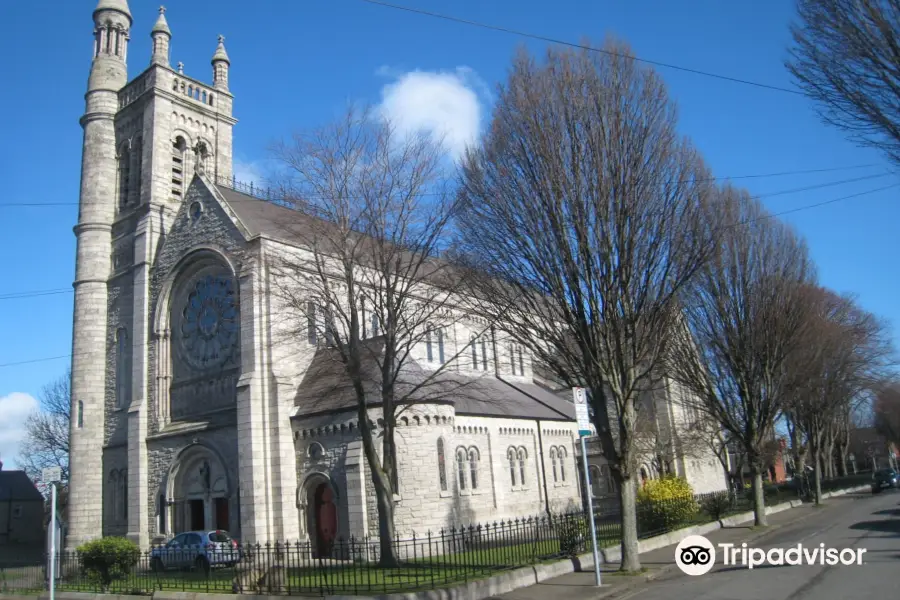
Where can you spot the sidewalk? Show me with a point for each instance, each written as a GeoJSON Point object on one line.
{"type": "Point", "coordinates": [658, 563]}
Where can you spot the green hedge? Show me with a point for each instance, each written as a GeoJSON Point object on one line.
{"type": "Point", "coordinates": [108, 559]}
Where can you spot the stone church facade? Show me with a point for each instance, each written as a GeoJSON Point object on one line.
{"type": "Point", "coordinates": [186, 412]}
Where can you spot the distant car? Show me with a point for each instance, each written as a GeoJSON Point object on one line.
{"type": "Point", "coordinates": [884, 479]}
{"type": "Point", "coordinates": [197, 549]}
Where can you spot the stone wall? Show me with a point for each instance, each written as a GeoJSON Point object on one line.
{"type": "Point", "coordinates": [421, 505]}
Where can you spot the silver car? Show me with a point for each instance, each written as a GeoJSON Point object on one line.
{"type": "Point", "coordinates": [198, 549]}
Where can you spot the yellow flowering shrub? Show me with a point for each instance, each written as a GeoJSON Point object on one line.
{"type": "Point", "coordinates": [665, 504]}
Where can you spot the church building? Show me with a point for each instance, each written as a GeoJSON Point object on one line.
{"type": "Point", "coordinates": [184, 416]}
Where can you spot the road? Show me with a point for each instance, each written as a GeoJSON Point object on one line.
{"type": "Point", "coordinates": [871, 523]}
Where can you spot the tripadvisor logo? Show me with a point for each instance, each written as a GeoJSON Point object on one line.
{"type": "Point", "coordinates": [696, 555]}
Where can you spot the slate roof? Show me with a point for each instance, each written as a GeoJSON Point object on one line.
{"type": "Point", "coordinates": [326, 388]}
{"type": "Point", "coordinates": [16, 486]}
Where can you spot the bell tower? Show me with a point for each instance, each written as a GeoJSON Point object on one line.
{"type": "Point", "coordinates": [96, 211]}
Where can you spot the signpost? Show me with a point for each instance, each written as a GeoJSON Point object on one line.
{"type": "Point", "coordinates": [584, 430]}
{"type": "Point", "coordinates": [52, 475]}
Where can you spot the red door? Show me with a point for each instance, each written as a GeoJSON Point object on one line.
{"type": "Point", "coordinates": [326, 520]}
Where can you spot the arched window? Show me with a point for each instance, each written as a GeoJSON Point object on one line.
{"type": "Point", "coordinates": [553, 464]}
{"type": "Point", "coordinates": [522, 455]}
{"type": "Point", "coordinates": [330, 329]}
{"type": "Point", "coordinates": [375, 325]}
{"type": "Point", "coordinates": [429, 351]}
{"type": "Point", "coordinates": [474, 343]}
{"type": "Point", "coordinates": [80, 420]}
{"type": "Point", "coordinates": [597, 482]}
{"type": "Point", "coordinates": [440, 345]}
{"type": "Point", "coordinates": [123, 377]}
{"type": "Point", "coordinates": [484, 360]}
{"type": "Point", "coordinates": [161, 508]}
{"type": "Point", "coordinates": [562, 463]}
{"type": "Point", "coordinates": [113, 491]}
{"type": "Point", "coordinates": [461, 467]}
{"type": "Point", "coordinates": [124, 176]}
{"type": "Point", "coordinates": [179, 146]}
{"type": "Point", "coordinates": [312, 334]}
{"type": "Point", "coordinates": [123, 496]}
{"type": "Point", "coordinates": [442, 465]}
{"type": "Point", "coordinates": [609, 484]}
{"type": "Point", "coordinates": [511, 456]}
{"type": "Point", "coordinates": [473, 466]}
{"type": "Point", "coordinates": [315, 451]}
{"type": "Point", "coordinates": [362, 318]}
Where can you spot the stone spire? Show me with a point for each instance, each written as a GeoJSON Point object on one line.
{"type": "Point", "coordinates": [161, 35]}
{"type": "Point", "coordinates": [221, 63]}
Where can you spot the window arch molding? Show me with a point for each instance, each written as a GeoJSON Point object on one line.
{"type": "Point", "coordinates": [175, 288]}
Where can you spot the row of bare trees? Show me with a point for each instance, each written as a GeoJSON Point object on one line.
{"type": "Point", "coordinates": [585, 228]}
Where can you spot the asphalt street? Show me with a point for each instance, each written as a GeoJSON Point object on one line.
{"type": "Point", "coordinates": [870, 522]}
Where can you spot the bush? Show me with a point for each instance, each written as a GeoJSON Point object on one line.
{"type": "Point", "coordinates": [716, 505]}
{"type": "Point", "coordinates": [108, 559]}
{"type": "Point", "coordinates": [665, 504]}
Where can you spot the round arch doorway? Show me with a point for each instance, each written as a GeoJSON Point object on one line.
{"type": "Point", "coordinates": [199, 487]}
{"type": "Point", "coordinates": [320, 505]}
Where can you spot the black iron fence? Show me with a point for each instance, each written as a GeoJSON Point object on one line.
{"type": "Point", "coordinates": [355, 566]}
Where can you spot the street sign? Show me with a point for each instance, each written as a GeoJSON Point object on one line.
{"type": "Point", "coordinates": [51, 475]}
{"type": "Point", "coordinates": [581, 411]}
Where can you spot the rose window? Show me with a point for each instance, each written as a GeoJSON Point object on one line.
{"type": "Point", "coordinates": [209, 322]}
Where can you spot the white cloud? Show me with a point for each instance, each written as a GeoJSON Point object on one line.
{"type": "Point", "coordinates": [14, 409]}
{"type": "Point", "coordinates": [247, 171]}
{"type": "Point", "coordinates": [446, 105]}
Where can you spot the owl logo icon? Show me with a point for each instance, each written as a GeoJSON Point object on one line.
{"type": "Point", "coordinates": [695, 555]}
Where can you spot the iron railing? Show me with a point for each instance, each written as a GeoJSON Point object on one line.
{"type": "Point", "coordinates": [353, 566]}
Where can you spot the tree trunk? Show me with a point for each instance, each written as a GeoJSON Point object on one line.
{"type": "Point", "coordinates": [828, 455]}
{"type": "Point", "coordinates": [759, 501]}
{"type": "Point", "coordinates": [631, 560]}
{"type": "Point", "coordinates": [386, 531]}
{"type": "Point", "coordinates": [815, 452]}
{"type": "Point", "coordinates": [842, 459]}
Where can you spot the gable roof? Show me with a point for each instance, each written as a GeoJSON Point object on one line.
{"type": "Point", "coordinates": [266, 218]}
{"type": "Point", "coordinates": [16, 486]}
{"type": "Point", "coordinates": [326, 388]}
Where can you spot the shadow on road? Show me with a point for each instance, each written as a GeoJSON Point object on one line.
{"type": "Point", "coordinates": [890, 512]}
{"type": "Point", "coordinates": [891, 526]}
{"type": "Point", "coordinates": [744, 568]}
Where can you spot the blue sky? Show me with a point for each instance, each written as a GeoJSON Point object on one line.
{"type": "Point", "coordinates": [298, 64]}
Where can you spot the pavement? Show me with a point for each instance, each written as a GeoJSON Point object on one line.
{"type": "Point", "coordinates": [860, 521]}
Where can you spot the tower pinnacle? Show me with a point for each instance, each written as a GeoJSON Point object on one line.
{"type": "Point", "coordinates": [221, 64]}
{"type": "Point", "coordinates": [161, 35]}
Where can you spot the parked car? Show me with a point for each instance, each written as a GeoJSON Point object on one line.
{"type": "Point", "coordinates": [197, 549]}
{"type": "Point", "coordinates": [884, 479]}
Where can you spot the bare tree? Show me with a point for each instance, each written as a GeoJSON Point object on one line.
{"type": "Point", "coordinates": [46, 442]}
{"type": "Point", "coordinates": [745, 313]}
{"type": "Point", "coordinates": [887, 411]}
{"type": "Point", "coordinates": [582, 209]}
{"type": "Point", "coordinates": [846, 59]}
{"type": "Point", "coordinates": [844, 353]}
{"type": "Point", "coordinates": [369, 287]}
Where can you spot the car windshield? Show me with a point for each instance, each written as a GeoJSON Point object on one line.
{"type": "Point", "coordinates": [885, 473]}
{"type": "Point", "coordinates": [219, 536]}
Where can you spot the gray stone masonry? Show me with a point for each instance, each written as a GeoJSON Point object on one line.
{"type": "Point", "coordinates": [92, 268]}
